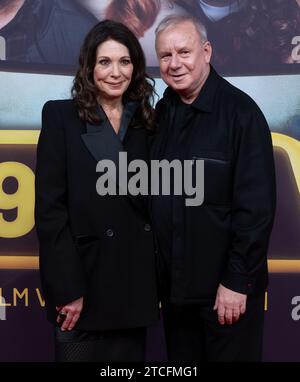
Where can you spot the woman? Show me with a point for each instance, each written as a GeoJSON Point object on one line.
{"type": "Point", "coordinates": [96, 252]}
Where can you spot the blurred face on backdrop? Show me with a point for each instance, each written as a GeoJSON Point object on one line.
{"type": "Point", "coordinates": [8, 10]}
{"type": "Point", "coordinates": [113, 70]}
{"type": "Point", "coordinates": [3, 3]}
{"type": "Point", "coordinates": [183, 59]}
{"type": "Point", "coordinates": [11, 4]}
{"type": "Point", "coordinates": [96, 7]}
{"type": "Point", "coordinates": [219, 3]}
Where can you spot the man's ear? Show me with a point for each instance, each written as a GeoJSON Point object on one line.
{"type": "Point", "coordinates": [207, 51]}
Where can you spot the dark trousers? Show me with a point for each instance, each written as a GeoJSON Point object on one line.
{"type": "Point", "coordinates": [126, 345]}
{"type": "Point", "coordinates": [193, 333]}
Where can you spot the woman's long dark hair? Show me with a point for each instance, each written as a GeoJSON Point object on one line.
{"type": "Point", "coordinates": [141, 88]}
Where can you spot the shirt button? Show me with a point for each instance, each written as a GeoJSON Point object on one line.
{"type": "Point", "coordinates": [109, 233]}
{"type": "Point", "coordinates": [147, 227]}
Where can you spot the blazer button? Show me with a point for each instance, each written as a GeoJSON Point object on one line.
{"type": "Point", "coordinates": [109, 233]}
{"type": "Point", "coordinates": [147, 227]}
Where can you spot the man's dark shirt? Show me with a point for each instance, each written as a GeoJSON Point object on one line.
{"type": "Point", "coordinates": [162, 205]}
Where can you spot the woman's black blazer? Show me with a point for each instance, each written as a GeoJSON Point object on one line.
{"type": "Point", "coordinates": [98, 247]}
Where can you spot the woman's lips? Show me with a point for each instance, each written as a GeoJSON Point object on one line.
{"type": "Point", "coordinates": [114, 84]}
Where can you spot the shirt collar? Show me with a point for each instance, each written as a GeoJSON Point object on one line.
{"type": "Point", "coordinates": [205, 99]}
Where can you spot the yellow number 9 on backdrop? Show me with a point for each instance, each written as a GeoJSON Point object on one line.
{"type": "Point", "coordinates": [22, 200]}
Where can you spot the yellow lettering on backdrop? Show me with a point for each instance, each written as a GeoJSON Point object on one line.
{"type": "Point", "coordinates": [22, 199]}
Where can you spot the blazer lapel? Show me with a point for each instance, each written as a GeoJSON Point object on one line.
{"type": "Point", "coordinates": [103, 143]}
{"type": "Point", "coordinates": [127, 115]}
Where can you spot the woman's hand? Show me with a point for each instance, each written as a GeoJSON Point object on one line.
{"type": "Point", "coordinates": [71, 312]}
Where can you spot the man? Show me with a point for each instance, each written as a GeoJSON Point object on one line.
{"type": "Point", "coordinates": [43, 31]}
{"type": "Point", "coordinates": [212, 258]}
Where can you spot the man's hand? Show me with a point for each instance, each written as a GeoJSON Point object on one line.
{"type": "Point", "coordinates": [230, 305]}
{"type": "Point", "coordinates": [71, 312]}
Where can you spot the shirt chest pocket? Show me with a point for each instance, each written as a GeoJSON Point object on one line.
{"type": "Point", "coordinates": [218, 177]}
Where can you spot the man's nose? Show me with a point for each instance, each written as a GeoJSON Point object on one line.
{"type": "Point", "coordinates": [175, 62]}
